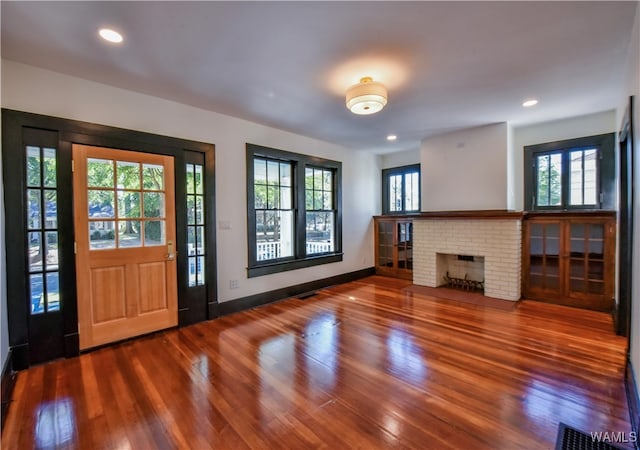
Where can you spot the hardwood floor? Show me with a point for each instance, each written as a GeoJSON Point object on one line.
{"type": "Point", "coordinates": [366, 364]}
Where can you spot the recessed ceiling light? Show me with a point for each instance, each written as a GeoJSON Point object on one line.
{"type": "Point", "coordinates": [110, 35]}
{"type": "Point", "coordinates": [529, 103]}
{"type": "Point", "coordinates": [392, 137]}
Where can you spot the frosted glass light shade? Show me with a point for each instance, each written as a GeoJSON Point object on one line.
{"type": "Point", "coordinates": [366, 97]}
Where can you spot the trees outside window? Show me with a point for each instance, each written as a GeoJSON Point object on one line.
{"type": "Point", "coordinates": [570, 175]}
{"type": "Point", "coordinates": [293, 210]}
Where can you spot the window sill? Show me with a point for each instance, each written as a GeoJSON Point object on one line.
{"type": "Point", "coordinates": [259, 270]}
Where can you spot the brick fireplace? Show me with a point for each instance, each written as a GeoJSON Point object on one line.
{"type": "Point", "coordinates": [493, 237]}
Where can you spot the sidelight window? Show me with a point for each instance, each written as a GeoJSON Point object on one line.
{"type": "Point", "coordinates": [195, 224]}
{"type": "Point", "coordinates": [42, 226]}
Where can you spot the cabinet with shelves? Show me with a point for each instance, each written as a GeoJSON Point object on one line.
{"type": "Point", "coordinates": [569, 259]}
{"type": "Point", "coordinates": [394, 246]}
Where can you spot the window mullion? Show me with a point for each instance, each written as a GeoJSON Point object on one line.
{"type": "Point", "coordinates": [582, 178]}
{"type": "Point", "coordinates": [300, 210]}
{"type": "Point", "coordinates": [565, 176]}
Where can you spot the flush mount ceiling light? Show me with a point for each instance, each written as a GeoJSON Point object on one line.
{"type": "Point", "coordinates": [366, 97]}
{"type": "Point", "coordinates": [529, 103]}
{"type": "Point", "coordinates": [392, 137]}
{"type": "Point", "coordinates": [110, 35]}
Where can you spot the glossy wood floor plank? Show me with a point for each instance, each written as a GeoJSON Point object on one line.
{"type": "Point", "coordinates": [368, 364]}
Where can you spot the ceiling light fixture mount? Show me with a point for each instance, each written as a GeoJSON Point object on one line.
{"type": "Point", "coordinates": [366, 97]}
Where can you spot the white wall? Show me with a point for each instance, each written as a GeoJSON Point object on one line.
{"type": "Point", "coordinates": [512, 180]}
{"type": "Point", "coordinates": [399, 159]}
{"type": "Point", "coordinates": [465, 170]}
{"type": "Point", "coordinates": [31, 89]}
{"type": "Point", "coordinates": [557, 130]}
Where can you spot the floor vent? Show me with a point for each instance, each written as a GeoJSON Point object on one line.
{"type": "Point", "coordinates": [572, 439]}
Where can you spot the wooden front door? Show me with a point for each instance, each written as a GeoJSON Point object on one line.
{"type": "Point", "coordinates": [124, 214]}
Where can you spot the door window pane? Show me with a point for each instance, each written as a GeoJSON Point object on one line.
{"type": "Point", "coordinates": [200, 270]}
{"type": "Point", "coordinates": [102, 235]}
{"type": "Point", "coordinates": [35, 252]}
{"type": "Point", "coordinates": [128, 204]}
{"type": "Point", "coordinates": [200, 240]}
{"type": "Point", "coordinates": [154, 233]}
{"type": "Point", "coordinates": [52, 250]}
{"type": "Point", "coordinates": [129, 233]}
{"type": "Point", "coordinates": [53, 292]}
{"type": "Point", "coordinates": [152, 177]}
{"type": "Point", "coordinates": [36, 290]}
{"type": "Point", "coordinates": [50, 209]}
{"type": "Point", "coordinates": [199, 179]}
{"type": "Point", "coordinates": [199, 210]}
{"type": "Point", "coordinates": [100, 204]}
{"type": "Point", "coordinates": [191, 240]}
{"type": "Point", "coordinates": [153, 204]}
{"type": "Point", "coordinates": [33, 210]}
{"type": "Point", "coordinates": [128, 175]}
{"type": "Point", "coordinates": [49, 166]}
{"type": "Point", "coordinates": [33, 166]}
{"type": "Point", "coordinates": [100, 173]}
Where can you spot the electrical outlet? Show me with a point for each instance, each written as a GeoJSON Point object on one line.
{"type": "Point", "coordinates": [234, 284]}
{"type": "Point", "coordinates": [224, 224]}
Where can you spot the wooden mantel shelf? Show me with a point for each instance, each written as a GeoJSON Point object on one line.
{"type": "Point", "coordinates": [496, 214]}
{"type": "Point", "coordinates": [493, 214]}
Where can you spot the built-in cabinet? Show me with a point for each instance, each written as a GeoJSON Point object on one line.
{"type": "Point", "coordinates": [394, 246]}
{"type": "Point", "coordinates": [570, 259]}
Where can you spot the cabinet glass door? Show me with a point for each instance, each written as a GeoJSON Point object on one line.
{"type": "Point", "coordinates": [586, 266]}
{"type": "Point", "coordinates": [405, 248]}
{"type": "Point", "coordinates": [385, 244]}
{"type": "Point", "coordinates": [544, 256]}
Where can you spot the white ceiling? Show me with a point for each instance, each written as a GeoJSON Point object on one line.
{"type": "Point", "coordinates": [447, 65]}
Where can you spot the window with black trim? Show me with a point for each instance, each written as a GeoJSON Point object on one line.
{"type": "Point", "coordinates": [293, 210]}
{"type": "Point", "coordinates": [571, 175]}
{"type": "Point", "coordinates": [196, 248]}
{"type": "Point", "coordinates": [42, 225]}
{"type": "Point", "coordinates": [401, 190]}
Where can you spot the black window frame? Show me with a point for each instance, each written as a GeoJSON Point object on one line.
{"type": "Point", "coordinates": [299, 259]}
{"type": "Point", "coordinates": [401, 170]}
{"type": "Point", "coordinates": [605, 178]}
